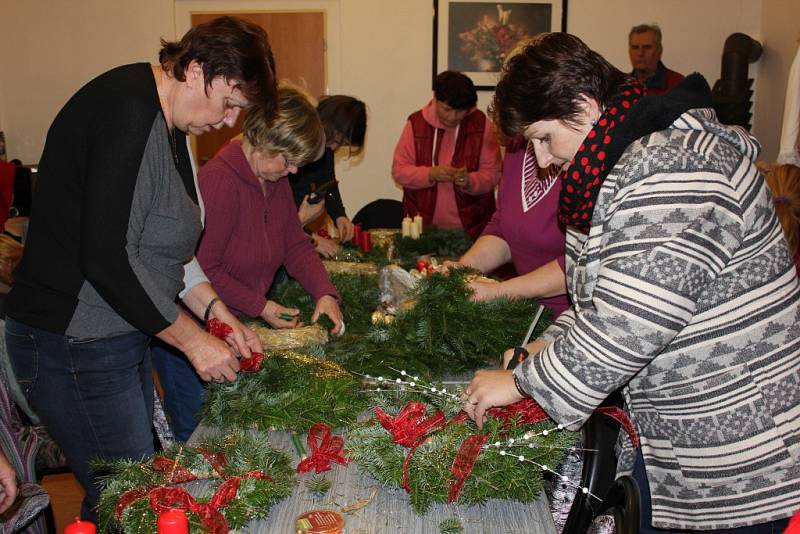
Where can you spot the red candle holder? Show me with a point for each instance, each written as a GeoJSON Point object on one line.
{"type": "Point", "coordinates": [80, 527]}
{"type": "Point", "coordinates": [173, 521]}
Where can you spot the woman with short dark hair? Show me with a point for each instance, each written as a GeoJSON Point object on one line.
{"type": "Point", "coordinates": [344, 119]}
{"type": "Point", "coordinates": [684, 293]}
{"type": "Point", "coordinates": [112, 239]}
{"type": "Point", "coordinates": [447, 159]}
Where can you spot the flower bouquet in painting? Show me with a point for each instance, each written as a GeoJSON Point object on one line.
{"type": "Point", "coordinates": [488, 44]}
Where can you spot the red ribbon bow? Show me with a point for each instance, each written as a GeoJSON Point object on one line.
{"type": "Point", "coordinates": [324, 450]}
{"type": "Point", "coordinates": [217, 328]}
{"type": "Point", "coordinates": [164, 498]}
{"type": "Point", "coordinates": [409, 429]}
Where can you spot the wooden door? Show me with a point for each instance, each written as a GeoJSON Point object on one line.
{"type": "Point", "coordinates": [298, 45]}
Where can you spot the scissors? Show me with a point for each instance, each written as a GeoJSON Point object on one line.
{"type": "Point", "coordinates": [520, 353]}
{"type": "Point", "coordinates": [318, 195]}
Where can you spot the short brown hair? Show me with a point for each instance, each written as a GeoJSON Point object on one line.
{"type": "Point", "coordinates": [545, 79]}
{"type": "Point", "coordinates": [229, 47]}
{"type": "Point", "coordinates": [296, 131]}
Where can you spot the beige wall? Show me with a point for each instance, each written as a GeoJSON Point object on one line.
{"type": "Point", "coordinates": [378, 50]}
{"type": "Point", "coordinates": [780, 37]}
{"type": "Point", "coordinates": [48, 49]}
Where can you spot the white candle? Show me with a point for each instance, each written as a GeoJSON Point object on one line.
{"type": "Point", "coordinates": [414, 231]}
{"type": "Point", "coordinates": [407, 226]}
{"type": "Point", "coordinates": [418, 224]}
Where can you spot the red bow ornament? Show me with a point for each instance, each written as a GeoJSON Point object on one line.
{"type": "Point", "coordinates": [217, 328]}
{"type": "Point", "coordinates": [409, 428]}
{"type": "Point", "coordinates": [324, 450]}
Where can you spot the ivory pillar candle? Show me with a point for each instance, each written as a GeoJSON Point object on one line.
{"type": "Point", "coordinates": [406, 228]}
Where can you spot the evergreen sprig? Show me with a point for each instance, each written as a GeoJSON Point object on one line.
{"type": "Point", "coordinates": [451, 525]}
{"type": "Point", "coordinates": [494, 476]}
{"type": "Point", "coordinates": [445, 332]}
{"type": "Point", "coordinates": [244, 453]}
{"type": "Point", "coordinates": [292, 391]}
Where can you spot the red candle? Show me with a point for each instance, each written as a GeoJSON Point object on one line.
{"type": "Point", "coordinates": [366, 241]}
{"type": "Point", "coordinates": [357, 232]}
{"type": "Point", "coordinates": [173, 522]}
{"type": "Point", "coordinates": [80, 527]}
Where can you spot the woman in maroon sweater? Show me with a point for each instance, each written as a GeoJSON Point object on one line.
{"type": "Point", "coordinates": [251, 229]}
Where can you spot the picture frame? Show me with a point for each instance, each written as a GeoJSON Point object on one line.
{"type": "Point", "coordinates": [474, 36]}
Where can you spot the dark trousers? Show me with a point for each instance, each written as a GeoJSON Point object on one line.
{"type": "Point", "coordinates": [183, 389]}
{"type": "Point", "coordinates": [773, 527]}
{"type": "Point", "coordinates": [95, 396]}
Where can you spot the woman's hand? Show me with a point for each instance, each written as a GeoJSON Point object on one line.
{"type": "Point", "coordinates": [327, 248]}
{"type": "Point", "coordinates": [329, 307]}
{"type": "Point", "coordinates": [445, 266]}
{"type": "Point", "coordinates": [243, 340]}
{"type": "Point", "coordinates": [461, 179]}
{"type": "Point", "coordinates": [8, 484]}
{"type": "Point", "coordinates": [310, 212]}
{"type": "Point", "coordinates": [489, 388]}
{"type": "Point", "coordinates": [212, 358]}
{"type": "Point", "coordinates": [440, 173]}
{"type": "Point", "coordinates": [276, 315]}
{"type": "Point", "coordinates": [345, 227]}
{"type": "Point", "coordinates": [483, 291]}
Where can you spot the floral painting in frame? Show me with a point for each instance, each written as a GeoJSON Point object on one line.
{"type": "Point", "coordinates": [475, 37]}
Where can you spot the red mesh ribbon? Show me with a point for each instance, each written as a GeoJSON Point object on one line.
{"type": "Point", "coordinates": [217, 328]}
{"type": "Point", "coordinates": [324, 450]}
{"type": "Point", "coordinates": [463, 463]}
{"type": "Point", "coordinates": [218, 460]}
{"type": "Point", "coordinates": [164, 498]}
{"type": "Point", "coordinates": [176, 472]}
{"type": "Point", "coordinates": [526, 412]}
{"type": "Point", "coordinates": [251, 364]}
{"type": "Point", "coordinates": [128, 498]}
{"type": "Point", "coordinates": [409, 428]}
{"type": "Point", "coordinates": [619, 415]}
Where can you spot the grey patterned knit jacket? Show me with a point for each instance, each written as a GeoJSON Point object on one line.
{"type": "Point", "coordinates": [685, 294]}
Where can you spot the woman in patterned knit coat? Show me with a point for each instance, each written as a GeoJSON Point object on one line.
{"type": "Point", "coordinates": [684, 292]}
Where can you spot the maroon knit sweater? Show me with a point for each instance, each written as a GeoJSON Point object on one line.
{"type": "Point", "coordinates": [249, 234]}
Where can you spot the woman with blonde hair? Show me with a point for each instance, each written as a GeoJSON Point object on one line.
{"type": "Point", "coordinates": [252, 228]}
{"type": "Point", "coordinates": [784, 182]}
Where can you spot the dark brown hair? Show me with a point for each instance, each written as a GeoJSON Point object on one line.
{"type": "Point", "coordinates": [545, 79]}
{"type": "Point", "coordinates": [229, 47]}
{"type": "Point", "coordinates": [344, 118]}
{"type": "Point", "coordinates": [455, 89]}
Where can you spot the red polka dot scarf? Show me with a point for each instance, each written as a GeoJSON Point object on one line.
{"type": "Point", "coordinates": [599, 152]}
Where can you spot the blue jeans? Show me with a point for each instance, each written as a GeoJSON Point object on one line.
{"type": "Point", "coordinates": [773, 527]}
{"type": "Point", "coordinates": [95, 396]}
{"type": "Point", "coordinates": [183, 389]}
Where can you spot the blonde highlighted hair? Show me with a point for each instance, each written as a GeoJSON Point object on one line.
{"type": "Point", "coordinates": [784, 182]}
{"type": "Point", "coordinates": [296, 131]}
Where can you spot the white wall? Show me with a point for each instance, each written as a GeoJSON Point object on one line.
{"type": "Point", "coordinates": [780, 38]}
{"type": "Point", "coordinates": [378, 50]}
